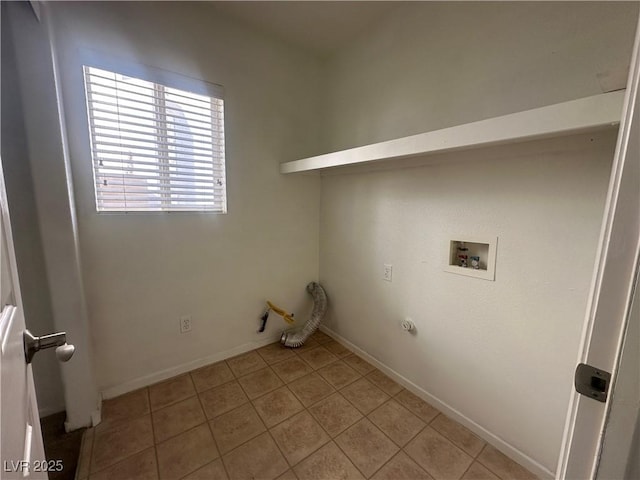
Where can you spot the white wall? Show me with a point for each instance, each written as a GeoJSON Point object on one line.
{"type": "Point", "coordinates": [142, 271]}
{"type": "Point", "coordinates": [633, 465]}
{"type": "Point", "coordinates": [431, 65]}
{"type": "Point", "coordinates": [620, 452]}
{"type": "Point", "coordinates": [48, 163]}
{"type": "Point", "coordinates": [501, 354]}
{"type": "Point", "coordinates": [32, 272]}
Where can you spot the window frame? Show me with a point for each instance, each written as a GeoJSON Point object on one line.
{"type": "Point", "coordinates": [164, 78]}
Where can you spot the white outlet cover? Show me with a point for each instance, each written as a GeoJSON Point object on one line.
{"type": "Point", "coordinates": [185, 324]}
{"type": "Point", "coordinates": [388, 272]}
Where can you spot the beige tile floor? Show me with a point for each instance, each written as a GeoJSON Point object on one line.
{"type": "Point", "coordinates": [317, 412]}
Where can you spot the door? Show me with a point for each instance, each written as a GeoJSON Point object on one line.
{"type": "Point", "coordinates": [609, 307]}
{"type": "Point", "coordinates": [618, 450]}
{"type": "Point", "coordinates": [21, 445]}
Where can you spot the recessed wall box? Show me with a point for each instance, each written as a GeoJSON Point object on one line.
{"type": "Point", "coordinates": [472, 256]}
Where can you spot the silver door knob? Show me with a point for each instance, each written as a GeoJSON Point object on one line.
{"type": "Point", "coordinates": [33, 344]}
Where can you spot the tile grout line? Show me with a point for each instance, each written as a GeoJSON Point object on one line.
{"type": "Point", "coordinates": [246, 441]}
{"type": "Point", "coordinates": [309, 454]}
{"type": "Point", "coordinates": [413, 436]}
{"type": "Point", "coordinates": [305, 408]}
{"type": "Point", "coordinates": [119, 462]}
{"type": "Point", "coordinates": [208, 422]}
{"type": "Point", "coordinates": [473, 456]}
{"type": "Point", "coordinates": [354, 405]}
{"type": "Point", "coordinates": [447, 439]}
{"type": "Point", "coordinates": [386, 436]}
{"type": "Point", "coordinates": [216, 386]}
{"type": "Point", "coordinates": [286, 460]}
{"type": "Point", "coordinates": [468, 468]}
{"type": "Point", "coordinates": [93, 444]}
{"type": "Point", "coordinates": [325, 398]}
{"type": "Point", "coordinates": [263, 393]}
{"type": "Point", "coordinates": [294, 379]}
{"type": "Point", "coordinates": [212, 386]}
{"type": "Point", "coordinates": [268, 431]}
{"type": "Point", "coordinates": [298, 355]}
{"type": "Point", "coordinates": [426, 424]}
{"type": "Point", "coordinates": [332, 439]}
{"type": "Point", "coordinates": [170, 404]}
{"type": "Point", "coordinates": [345, 453]}
{"type": "Point", "coordinates": [156, 442]}
{"type": "Point", "coordinates": [343, 386]}
{"type": "Point", "coordinates": [385, 463]}
{"type": "Point", "coordinates": [400, 449]}
{"type": "Point", "coordinates": [485, 466]}
{"type": "Point", "coordinates": [153, 435]}
{"type": "Point", "coordinates": [480, 452]}
{"type": "Point", "coordinates": [364, 416]}
{"type": "Point", "coordinates": [477, 457]}
{"type": "Point", "coordinates": [309, 374]}
{"type": "Point", "coordinates": [153, 432]}
{"type": "Point", "coordinates": [189, 430]}
{"type": "Point", "coordinates": [119, 421]}
{"type": "Point", "coordinates": [122, 460]}
{"type": "Point", "coordinates": [281, 421]}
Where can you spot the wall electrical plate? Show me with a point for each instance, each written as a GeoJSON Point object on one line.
{"type": "Point", "coordinates": [387, 272]}
{"type": "Point", "coordinates": [185, 323]}
{"type": "Point", "coordinates": [482, 247]}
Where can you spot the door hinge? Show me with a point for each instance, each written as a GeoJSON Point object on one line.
{"type": "Point", "coordinates": [592, 382]}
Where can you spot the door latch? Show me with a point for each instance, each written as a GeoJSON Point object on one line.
{"type": "Point", "coordinates": [592, 382]}
{"type": "Point", "coordinates": [33, 344]}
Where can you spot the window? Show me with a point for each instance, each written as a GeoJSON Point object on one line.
{"type": "Point", "coordinates": [154, 148]}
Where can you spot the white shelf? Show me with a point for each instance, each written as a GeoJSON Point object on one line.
{"type": "Point", "coordinates": [567, 118]}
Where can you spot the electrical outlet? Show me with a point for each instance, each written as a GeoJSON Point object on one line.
{"type": "Point", "coordinates": [388, 272]}
{"type": "Point", "coordinates": [185, 324]}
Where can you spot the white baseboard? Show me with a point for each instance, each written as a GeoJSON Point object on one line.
{"type": "Point", "coordinates": [506, 448]}
{"type": "Point", "coordinates": [96, 415]}
{"type": "Point", "coordinates": [145, 381]}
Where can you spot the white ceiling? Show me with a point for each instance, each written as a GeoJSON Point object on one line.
{"type": "Point", "coordinates": [318, 26]}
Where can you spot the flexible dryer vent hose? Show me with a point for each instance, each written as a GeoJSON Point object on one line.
{"type": "Point", "coordinates": [297, 339]}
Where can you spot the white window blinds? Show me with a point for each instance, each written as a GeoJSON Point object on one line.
{"type": "Point", "coordinates": [154, 148]}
